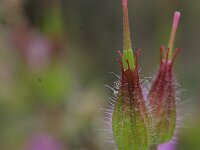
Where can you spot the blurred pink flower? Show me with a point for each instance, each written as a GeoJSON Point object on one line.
{"type": "Point", "coordinates": [43, 142]}
{"type": "Point", "coordinates": [38, 52]}
{"type": "Point", "coordinates": [35, 48]}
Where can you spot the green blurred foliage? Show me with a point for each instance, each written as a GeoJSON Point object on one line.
{"type": "Point", "coordinates": [57, 55]}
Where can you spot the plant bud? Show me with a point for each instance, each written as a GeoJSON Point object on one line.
{"type": "Point", "coordinates": [162, 95]}
{"type": "Point", "coordinates": [129, 119]}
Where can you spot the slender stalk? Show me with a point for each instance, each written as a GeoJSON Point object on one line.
{"type": "Point", "coordinates": [127, 37]}
{"type": "Point", "coordinates": [173, 32]}
{"type": "Point", "coordinates": [128, 59]}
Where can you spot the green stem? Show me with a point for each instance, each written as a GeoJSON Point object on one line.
{"type": "Point", "coordinates": [127, 47]}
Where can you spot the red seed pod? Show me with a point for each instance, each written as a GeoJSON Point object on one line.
{"type": "Point", "coordinates": [162, 99]}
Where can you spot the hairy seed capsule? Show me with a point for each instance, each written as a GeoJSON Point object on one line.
{"type": "Point", "coordinates": [129, 120]}
{"type": "Point", "coordinates": [162, 99]}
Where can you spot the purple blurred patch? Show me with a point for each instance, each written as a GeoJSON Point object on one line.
{"type": "Point", "coordinates": [171, 145]}
{"type": "Point", "coordinates": [43, 142]}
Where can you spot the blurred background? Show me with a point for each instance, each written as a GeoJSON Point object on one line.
{"type": "Point", "coordinates": [56, 56]}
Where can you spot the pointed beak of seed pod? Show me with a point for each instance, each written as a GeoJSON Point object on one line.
{"type": "Point", "coordinates": [127, 46]}
{"type": "Point", "coordinates": [176, 18]}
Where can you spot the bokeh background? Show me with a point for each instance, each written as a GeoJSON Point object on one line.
{"type": "Point", "coordinates": [56, 56]}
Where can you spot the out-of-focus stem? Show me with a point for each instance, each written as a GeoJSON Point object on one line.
{"type": "Point", "coordinates": [153, 147]}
